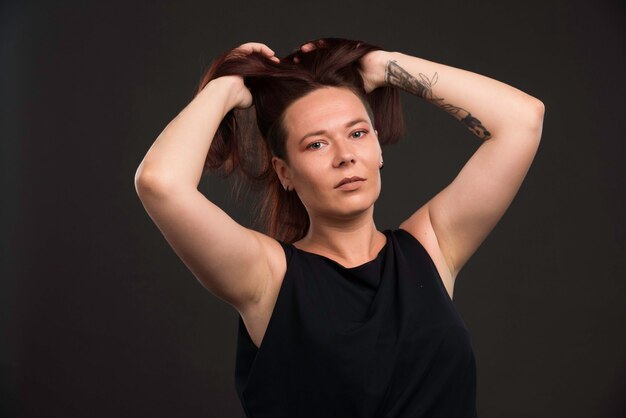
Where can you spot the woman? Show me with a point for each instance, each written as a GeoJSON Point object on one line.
{"type": "Point", "coordinates": [362, 321]}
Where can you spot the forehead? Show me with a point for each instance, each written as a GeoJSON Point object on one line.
{"type": "Point", "coordinates": [326, 108]}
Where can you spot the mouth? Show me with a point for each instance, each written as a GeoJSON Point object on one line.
{"type": "Point", "coordinates": [349, 180]}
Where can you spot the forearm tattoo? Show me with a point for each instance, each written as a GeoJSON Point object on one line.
{"type": "Point", "coordinates": [398, 77]}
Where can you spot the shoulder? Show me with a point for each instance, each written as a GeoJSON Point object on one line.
{"type": "Point", "coordinates": [420, 227]}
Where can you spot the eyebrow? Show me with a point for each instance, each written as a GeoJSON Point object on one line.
{"type": "Point", "coordinates": [347, 125]}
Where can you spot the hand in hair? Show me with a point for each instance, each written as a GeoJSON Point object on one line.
{"type": "Point", "coordinates": [372, 64]}
{"type": "Point", "coordinates": [242, 96]}
{"type": "Point", "coordinates": [251, 47]}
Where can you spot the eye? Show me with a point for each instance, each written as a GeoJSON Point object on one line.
{"type": "Point", "coordinates": [310, 146]}
{"type": "Point", "coordinates": [362, 133]}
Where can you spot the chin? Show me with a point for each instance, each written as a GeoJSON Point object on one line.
{"type": "Point", "coordinates": [351, 207]}
{"type": "Point", "coordinates": [348, 205]}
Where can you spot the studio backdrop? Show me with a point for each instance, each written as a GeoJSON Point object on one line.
{"type": "Point", "coordinates": [100, 318]}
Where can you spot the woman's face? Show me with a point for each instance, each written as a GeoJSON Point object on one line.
{"type": "Point", "coordinates": [330, 137]}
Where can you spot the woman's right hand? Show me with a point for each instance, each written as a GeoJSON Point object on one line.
{"type": "Point", "coordinates": [250, 47]}
{"type": "Point", "coordinates": [230, 260]}
{"type": "Point", "coordinates": [241, 97]}
{"type": "Point", "coordinates": [237, 94]}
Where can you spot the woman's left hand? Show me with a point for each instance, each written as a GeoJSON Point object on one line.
{"type": "Point", "coordinates": [373, 66]}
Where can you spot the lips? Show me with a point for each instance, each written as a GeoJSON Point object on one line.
{"type": "Point", "coordinates": [348, 180]}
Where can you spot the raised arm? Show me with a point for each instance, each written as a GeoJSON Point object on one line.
{"type": "Point", "coordinates": [231, 261]}
{"type": "Point", "coordinates": [509, 123]}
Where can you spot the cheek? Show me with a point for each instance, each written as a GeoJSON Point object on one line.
{"type": "Point", "coordinates": [308, 175]}
{"type": "Point", "coordinates": [372, 159]}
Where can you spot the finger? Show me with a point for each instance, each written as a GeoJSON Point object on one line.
{"type": "Point", "coordinates": [260, 48]}
{"type": "Point", "coordinates": [257, 47]}
{"type": "Point", "coordinates": [271, 55]}
{"type": "Point", "coordinates": [307, 47]}
{"type": "Point", "coordinates": [311, 45]}
{"type": "Point", "coordinates": [267, 50]}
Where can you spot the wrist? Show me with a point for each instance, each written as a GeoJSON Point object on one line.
{"type": "Point", "coordinates": [377, 62]}
{"type": "Point", "coordinates": [385, 59]}
{"type": "Point", "coordinates": [226, 89]}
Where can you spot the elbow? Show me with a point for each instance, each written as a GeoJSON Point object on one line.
{"type": "Point", "coordinates": [536, 114]}
{"type": "Point", "coordinates": [143, 186]}
{"type": "Point", "coordinates": [526, 120]}
{"type": "Point", "coordinates": [539, 111]}
{"type": "Point", "coordinates": [151, 183]}
{"type": "Point", "coordinates": [148, 183]}
{"type": "Point", "coordinates": [141, 179]}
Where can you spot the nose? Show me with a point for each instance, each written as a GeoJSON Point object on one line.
{"type": "Point", "coordinates": [345, 154]}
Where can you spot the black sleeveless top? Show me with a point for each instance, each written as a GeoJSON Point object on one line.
{"type": "Point", "coordinates": [382, 339]}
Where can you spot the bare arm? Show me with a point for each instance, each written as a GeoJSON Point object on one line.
{"type": "Point", "coordinates": [228, 259]}
{"type": "Point", "coordinates": [508, 121]}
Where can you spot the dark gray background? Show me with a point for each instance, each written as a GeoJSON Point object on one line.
{"type": "Point", "coordinates": [101, 319]}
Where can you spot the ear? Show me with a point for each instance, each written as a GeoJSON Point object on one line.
{"type": "Point", "coordinates": [282, 170]}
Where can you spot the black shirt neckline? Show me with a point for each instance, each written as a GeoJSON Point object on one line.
{"type": "Point", "coordinates": [367, 263]}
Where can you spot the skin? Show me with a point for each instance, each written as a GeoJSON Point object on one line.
{"type": "Point", "coordinates": [342, 224]}
{"type": "Point", "coordinates": [245, 267]}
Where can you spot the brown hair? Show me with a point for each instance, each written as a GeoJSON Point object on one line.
{"type": "Point", "coordinates": [247, 139]}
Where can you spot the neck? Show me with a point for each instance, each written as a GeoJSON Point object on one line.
{"type": "Point", "coordinates": [355, 241]}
